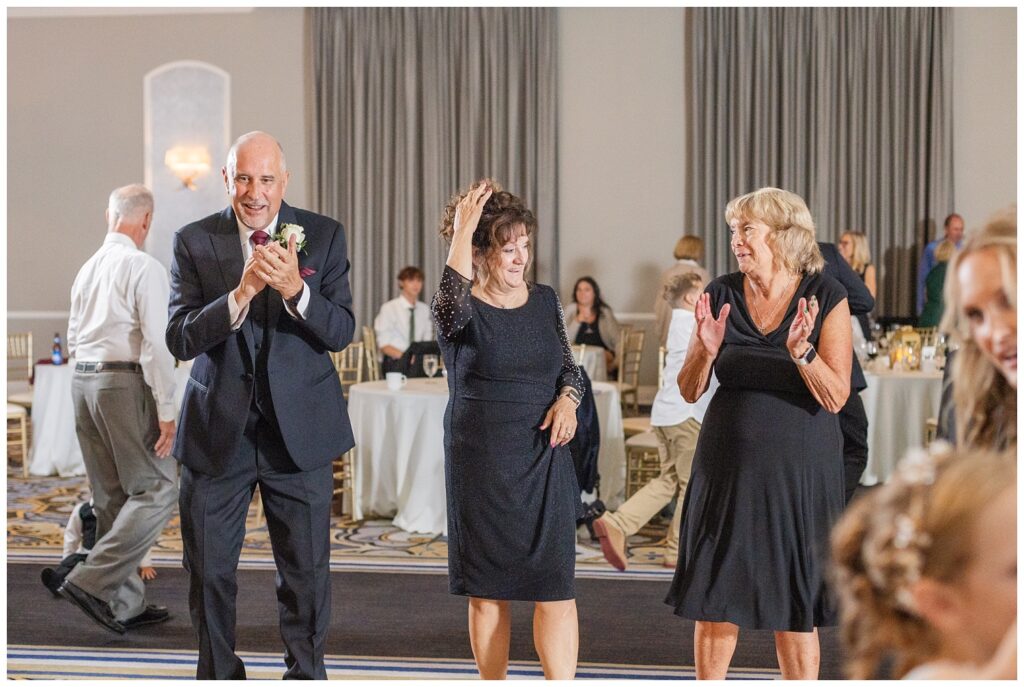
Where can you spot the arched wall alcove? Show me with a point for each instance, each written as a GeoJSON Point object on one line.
{"type": "Point", "coordinates": [188, 108]}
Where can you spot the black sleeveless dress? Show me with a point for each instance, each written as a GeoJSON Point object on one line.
{"type": "Point", "coordinates": [767, 480]}
{"type": "Point", "coordinates": [513, 501]}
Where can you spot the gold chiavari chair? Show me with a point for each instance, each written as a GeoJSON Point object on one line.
{"type": "Point", "coordinates": [628, 384]}
{"type": "Point", "coordinates": [343, 477]}
{"type": "Point", "coordinates": [19, 369]}
{"type": "Point", "coordinates": [372, 354]}
{"type": "Point", "coordinates": [643, 462]}
{"type": "Point", "coordinates": [17, 434]}
{"type": "Point", "coordinates": [349, 364]}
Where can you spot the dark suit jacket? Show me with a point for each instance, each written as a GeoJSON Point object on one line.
{"type": "Point", "coordinates": [858, 297]}
{"type": "Point", "coordinates": [303, 384]}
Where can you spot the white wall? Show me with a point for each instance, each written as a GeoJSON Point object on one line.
{"type": "Point", "coordinates": [621, 149]}
{"type": "Point", "coordinates": [75, 126]}
{"type": "Point", "coordinates": [984, 111]}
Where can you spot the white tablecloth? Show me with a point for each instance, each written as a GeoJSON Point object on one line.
{"type": "Point", "coordinates": [399, 456]}
{"type": "Point", "coordinates": [55, 449]}
{"type": "Point", "coordinates": [897, 405]}
{"type": "Point", "coordinates": [593, 363]}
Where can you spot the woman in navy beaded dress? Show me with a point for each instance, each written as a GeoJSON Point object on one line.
{"type": "Point", "coordinates": [513, 389]}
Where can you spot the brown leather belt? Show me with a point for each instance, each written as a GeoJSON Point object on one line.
{"type": "Point", "coordinates": [108, 367]}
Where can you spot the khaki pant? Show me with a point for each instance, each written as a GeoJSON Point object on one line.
{"type": "Point", "coordinates": [676, 445]}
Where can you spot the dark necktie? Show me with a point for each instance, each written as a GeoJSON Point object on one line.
{"type": "Point", "coordinates": [258, 312]}
{"type": "Point", "coordinates": [259, 237]}
{"type": "Point", "coordinates": [412, 325]}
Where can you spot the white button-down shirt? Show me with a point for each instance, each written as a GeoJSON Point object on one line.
{"type": "Point", "coordinates": [237, 315]}
{"type": "Point", "coordinates": [669, 407]}
{"type": "Point", "coordinates": [119, 314]}
{"type": "Point", "coordinates": [392, 323]}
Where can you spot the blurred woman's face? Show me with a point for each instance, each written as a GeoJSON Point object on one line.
{"type": "Point", "coordinates": [985, 303]}
{"type": "Point", "coordinates": [513, 259]}
{"type": "Point", "coordinates": [846, 248]}
{"type": "Point", "coordinates": [585, 294]}
{"type": "Point", "coordinates": [988, 588]}
{"type": "Point", "coordinates": [749, 242]}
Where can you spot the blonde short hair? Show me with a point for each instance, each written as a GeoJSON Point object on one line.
{"type": "Point", "coordinates": [791, 238]}
{"type": "Point", "coordinates": [689, 247]}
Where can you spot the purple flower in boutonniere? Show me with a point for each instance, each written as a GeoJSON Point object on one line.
{"type": "Point", "coordinates": [306, 272]}
{"type": "Point", "coordinates": [286, 231]}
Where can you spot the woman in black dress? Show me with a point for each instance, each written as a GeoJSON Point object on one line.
{"type": "Point", "coordinates": [513, 389]}
{"type": "Point", "coordinates": [767, 479]}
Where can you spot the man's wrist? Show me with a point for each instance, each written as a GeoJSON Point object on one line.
{"type": "Point", "coordinates": [241, 300]}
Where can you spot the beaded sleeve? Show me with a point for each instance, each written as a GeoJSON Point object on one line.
{"type": "Point", "coordinates": [451, 305]}
{"type": "Point", "coordinates": [570, 374]}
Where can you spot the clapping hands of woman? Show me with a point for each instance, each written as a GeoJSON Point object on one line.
{"type": "Point", "coordinates": [710, 330]}
{"type": "Point", "coordinates": [802, 327]}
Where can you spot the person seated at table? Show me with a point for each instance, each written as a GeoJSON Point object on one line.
{"type": "Point", "coordinates": [981, 319]}
{"type": "Point", "coordinates": [403, 320]}
{"type": "Point", "coordinates": [676, 425]}
{"type": "Point", "coordinates": [589, 320]}
{"type": "Point", "coordinates": [689, 253]}
{"type": "Point", "coordinates": [933, 285]}
{"type": "Point", "coordinates": [926, 569]}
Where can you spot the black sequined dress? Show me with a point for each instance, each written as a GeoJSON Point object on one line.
{"type": "Point", "coordinates": [513, 501]}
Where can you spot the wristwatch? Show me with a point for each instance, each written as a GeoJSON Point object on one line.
{"type": "Point", "coordinates": [294, 300]}
{"type": "Point", "coordinates": [808, 356]}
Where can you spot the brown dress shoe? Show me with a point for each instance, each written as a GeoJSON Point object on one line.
{"type": "Point", "coordinates": [613, 542]}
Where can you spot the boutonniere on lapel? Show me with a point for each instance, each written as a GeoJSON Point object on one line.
{"type": "Point", "coordinates": [284, 234]}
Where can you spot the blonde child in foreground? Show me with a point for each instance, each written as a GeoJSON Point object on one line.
{"type": "Point", "coordinates": [927, 569]}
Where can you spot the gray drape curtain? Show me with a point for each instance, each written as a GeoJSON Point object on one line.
{"type": "Point", "coordinates": [414, 104]}
{"type": "Point", "coordinates": [850, 108]}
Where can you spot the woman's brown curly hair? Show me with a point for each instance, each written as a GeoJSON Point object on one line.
{"type": "Point", "coordinates": [500, 221]}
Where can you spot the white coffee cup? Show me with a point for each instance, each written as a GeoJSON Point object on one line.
{"type": "Point", "coordinates": [396, 380]}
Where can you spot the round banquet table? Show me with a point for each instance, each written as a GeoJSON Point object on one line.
{"type": "Point", "coordinates": [399, 453]}
{"type": "Point", "coordinates": [55, 449]}
{"type": "Point", "coordinates": [897, 405]}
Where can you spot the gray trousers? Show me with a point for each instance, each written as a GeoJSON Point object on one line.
{"type": "Point", "coordinates": [134, 492]}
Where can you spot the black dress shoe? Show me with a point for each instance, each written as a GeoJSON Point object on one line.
{"type": "Point", "coordinates": [50, 580]}
{"type": "Point", "coordinates": [151, 616]}
{"type": "Point", "coordinates": [97, 609]}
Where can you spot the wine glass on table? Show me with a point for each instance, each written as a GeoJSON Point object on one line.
{"type": "Point", "coordinates": [430, 365]}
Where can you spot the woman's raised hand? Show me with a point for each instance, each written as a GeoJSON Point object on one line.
{"type": "Point", "coordinates": [803, 325]}
{"type": "Point", "coordinates": [469, 209]}
{"type": "Point", "coordinates": [710, 331]}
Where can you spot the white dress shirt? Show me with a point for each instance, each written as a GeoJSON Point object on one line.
{"type": "Point", "coordinates": [669, 407]}
{"type": "Point", "coordinates": [236, 314]}
{"type": "Point", "coordinates": [392, 323]}
{"type": "Point", "coordinates": [119, 314]}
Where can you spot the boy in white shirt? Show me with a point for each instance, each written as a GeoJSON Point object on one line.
{"type": "Point", "coordinates": [676, 425]}
{"type": "Point", "coordinates": [403, 321]}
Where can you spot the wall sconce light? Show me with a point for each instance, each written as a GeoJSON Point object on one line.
{"type": "Point", "coordinates": [187, 163]}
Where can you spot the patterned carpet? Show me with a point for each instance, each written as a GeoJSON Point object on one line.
{"type": "Point", "coordinates": [38, 508]}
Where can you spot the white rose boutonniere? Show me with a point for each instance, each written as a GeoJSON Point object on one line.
{"type": "Point", "coordinates": [286, 231]}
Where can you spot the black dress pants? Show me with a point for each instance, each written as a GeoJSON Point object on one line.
{"type": "Point", "coordinates": [297, 505]}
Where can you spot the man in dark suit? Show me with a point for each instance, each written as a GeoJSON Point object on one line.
{"type": "Point", "coordinates": [853, 421]}
{"type": "Point", "coordinates": [263, 404]}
